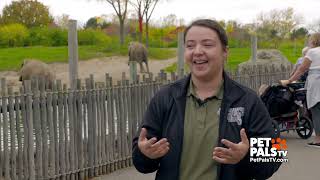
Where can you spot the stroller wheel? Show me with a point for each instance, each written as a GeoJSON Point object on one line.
{"type": "Point", "coordinates": [276, 128]}
{"type": "Point", "coordinates": [304, 127]}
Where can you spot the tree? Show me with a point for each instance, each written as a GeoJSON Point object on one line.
{"type": "Point", "coordinates": [96, 22]}
{"type": "Point", "coordinates": [140, 10]}
{"type": "Point", "coordinates": [299, 33]}
{"type": "Point", "coordinates": [120, 7]}
{"type": "Point", "coordinates": [149, 6]}
{"type": "Point", "coordinates": [280, 21]}
{"type": "Point", "coordinates": [62, 21]}
{"type": "Point", "coordinates": [170, 20]}
{"type": "Point", "coordinates": [277, 25]}
{"type": "Point", "coordinates": [30, 13]}
{"type": "Point", "coordinates": [92, 23]}
{"type": "Point", "coordinates": [314, 26]}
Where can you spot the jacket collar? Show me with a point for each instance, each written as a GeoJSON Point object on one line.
{"type": "Point", "coordinates": [232, 90]}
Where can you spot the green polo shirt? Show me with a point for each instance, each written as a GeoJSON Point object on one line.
{"type": "Point", "coordinates": [201, 125]}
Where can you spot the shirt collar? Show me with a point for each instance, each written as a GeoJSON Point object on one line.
{"type": "Point", "coordinates": [192, 92]}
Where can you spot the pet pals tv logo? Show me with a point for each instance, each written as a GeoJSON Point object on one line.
{"type": "Point", "coordinates": [268, 150]}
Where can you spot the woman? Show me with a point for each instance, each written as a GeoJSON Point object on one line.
{"type": "Point", "coordinates": [303, 78]}
{"type": "Point", "coordinates": [198, 127]}
{"type": "Point", "coordinates": [311, 61]}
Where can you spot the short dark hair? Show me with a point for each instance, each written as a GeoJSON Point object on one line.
{"type": "Point", "coordinates": [211, 24]}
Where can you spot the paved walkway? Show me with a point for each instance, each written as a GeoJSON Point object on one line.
{"type": "Point", "coordinates": [304, 163]}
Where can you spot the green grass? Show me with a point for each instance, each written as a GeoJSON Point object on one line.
{"type": "Point", "coordinates": [161, 53]}
{"type": "Point", "coordinates": [239, 55]}
{"type": "Point", "coordinates": [11, 58]}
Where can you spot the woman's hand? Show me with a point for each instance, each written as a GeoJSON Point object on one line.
{"type": "Point", "coordinates": [234, 153]}
{"type": "Point", "coordinates": [285, 82]}
{"type": "Point", "coordinates": [152, 148]}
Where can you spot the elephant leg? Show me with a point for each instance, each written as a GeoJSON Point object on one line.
{"type": "Point", "coordinates": [141, 68]}
{"type": "Point", "coordinates": [146, 62]}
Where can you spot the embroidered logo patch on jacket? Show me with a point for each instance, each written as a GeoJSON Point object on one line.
{"type": "Point", "coordinates": [235, 115]}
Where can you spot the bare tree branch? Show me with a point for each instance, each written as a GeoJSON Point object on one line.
{"type": "Point", "coordinates": [120, 7]}
{"type": "Point", "coordinates": [111, 2]}
{"type": "Point", "coordinates": [150, 2]}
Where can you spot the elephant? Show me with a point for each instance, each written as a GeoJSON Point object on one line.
{"type": "Point", "coordinates": [35, 68]}
{"type": "Point", "coordinates": [139, 53]}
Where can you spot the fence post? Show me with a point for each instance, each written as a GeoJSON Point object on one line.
{"type": "Point", "coordinates": [254, 45]}
{"type": "Point", "coordinates": [2, 86]}
{"type": "Point", "coordinates": [73, 53]}
{"type": "Point", "coordinates": [180, 67]}
{"type": "Point", "coordinates": [13, 157]}
{"type": "Point", "coordinates": [29, 129]}
{"type": "Point", "coordinates": [5, 130]}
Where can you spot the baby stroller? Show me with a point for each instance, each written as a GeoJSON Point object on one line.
{"type": "Point", "coordinates": [287, 108]}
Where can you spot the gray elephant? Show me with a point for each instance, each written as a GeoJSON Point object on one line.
{"type": "Point", "coordinates": [37, 69]}
{"type": "Point", "coordinates": [139, 53]}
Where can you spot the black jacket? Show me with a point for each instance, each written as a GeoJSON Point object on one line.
{"type": "Point", "coordinates": [165, 118]}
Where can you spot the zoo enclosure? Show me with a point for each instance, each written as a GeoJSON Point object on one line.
{"type": "Point", "coordinates": [86, 132]}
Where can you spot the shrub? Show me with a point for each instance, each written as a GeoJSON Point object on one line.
{"type": "Point", "coordinates": [93, 37]}
{"type": "Point", "coordinates": [46, 36]}
{"type": "Point", "coordinates": [13, 35]}
{"type": "Point", "coordinates": [57, 37]}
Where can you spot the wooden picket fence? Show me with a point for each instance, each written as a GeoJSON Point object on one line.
{"type": "Point", "coordinates": [78, 134]}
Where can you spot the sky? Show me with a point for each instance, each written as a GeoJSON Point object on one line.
{"type": "Point", "coordinates": [243, 11]}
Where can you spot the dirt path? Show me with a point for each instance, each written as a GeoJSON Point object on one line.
{"type": "Point", "coordinates": [98, 67]}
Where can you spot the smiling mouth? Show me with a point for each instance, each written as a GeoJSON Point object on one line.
{"type": "Point", "coordinates": [199, 61]}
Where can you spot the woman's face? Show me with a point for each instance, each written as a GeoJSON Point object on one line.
{"type": "Point", "coordinates": [313, 40]}
{"type": "Point", "coordinates": [310, 43]}
{"type": "Point", "coordinates": [204, 52]}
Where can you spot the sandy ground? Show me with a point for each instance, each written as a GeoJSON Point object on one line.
{"type": "Point", "coordinates": [98, 67]}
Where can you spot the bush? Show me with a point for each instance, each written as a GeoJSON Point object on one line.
{"type": "Point", "coordinates": [57, 37]}
{"type": "Point", "coordinates": [238, 43]}
{"type": "Point", "coordinates": [13, 35]}
{"type": "Point", "coordinates": [46, 36]}
{"type": "Point", "coordinates": [93, 37]}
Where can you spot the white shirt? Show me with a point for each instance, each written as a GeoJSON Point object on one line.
{"type": "Point", "coordinates": [313, 81]}
{"type": "Point", "coordinates": [314, 56]}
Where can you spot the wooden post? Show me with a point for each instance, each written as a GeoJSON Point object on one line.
{"type": "Point", "coordinates": [51, 132]}
{"type": "Point", "coordinates": [254, 41]}
{"type": "Point", "coordinates": [13, 153]}
{"type": "Point", "coordinates": [61, 128]}
{"type": "Point", "coordinates": [73, 53]}
{"type": "Point", "coordinates": [29, 130]}
{"type": "Point", "coordinates": [2, 86]}
{"type": "Point", "coordinates": [37, 126]}
{"type": "Point", "coordinates": [70, 96]}
{"type": "Point", "coordinates": [19, 134]}
{"type": "Point", "coordinates": [91, 147]}
{"type": "Point", "coordinates": [5, 126]}
{"type": "Point", "coordinates": [180, 55]}
{"type": "Point", "coordinates": [44, 127]}
{"type": "Point", "coordinates": [55, 117]}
